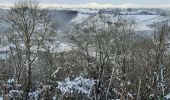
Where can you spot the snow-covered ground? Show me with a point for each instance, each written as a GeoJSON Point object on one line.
{"type": "Point", "coordinates": [80, 18]}
{"type": "Point", "coordinates": [58, 46]}
{"type": "Point", "coordinates": [167, 96]}
{"type": "Point", "coordinates": [144, 20]}
{"type": "Point", "coordinates": [83, 14]}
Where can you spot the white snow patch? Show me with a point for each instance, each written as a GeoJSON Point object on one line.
{"type": "Point", "coordinates": [144, 20]}
{"type": "Point", "coordinates": [13, 93]}
{"type": "Point", "coordinates": [79, 84]}
{"type": "Point", "coordinates": [10, 81]}
{"type": "Point", "coordinates": [63, 47]}
{"type": "Point", "coordinates": [80, 18]}
{"type": "Point", "coordinates": [167, 96]}
{"type": "Point", "coordinates": [55, 72]}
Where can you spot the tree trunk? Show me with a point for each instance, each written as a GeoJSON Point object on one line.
{"type": "Point", "coordinates": [139, 86]}
{"type": "Point", "coordinates": [28, 72]}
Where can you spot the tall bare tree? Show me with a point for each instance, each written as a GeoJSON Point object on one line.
{"type": "Point", "coordinates": [31, 24]}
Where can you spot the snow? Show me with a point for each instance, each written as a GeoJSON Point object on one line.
{"type": "Point", "coordinates": [87, 11]}
{"type": "Point", "coordinates": [57, 46]}
{"type": "Point", "coordinates": [128, 82]}
{"type": "Point", "coordinates": [130, 95]}
{"type": "Point", "coordinates": [151, 95]}
{"type": "Point", "coordinates": [3, 56]}
{"type": "Point", "coordinates": [80, 18]}
{"type": "Point", "coordinates": [54, 98]}
{"type": "Point", "coordinates": [144, 20]}
{"type": "Point", "coordinates": [4, 48]}
{"type": "Point", "coordinates": [10, 81]}
{"type": "Point", "coordinates": [34, 95]}
{"type": "Point", "coordinates": [3, 52]}
{"type": "Point", "coordinates": [64, 47]}
{"type": "Point", "coordinates": [13, 93]}
{"type": "Point", "coordinates": [79, 84]}
{"type": "Point", "coordinates": [56, 71]}
{"type": "Point", "coordinates": [85, 15]}
{"type": "Point", "coordinates": [167, 96]}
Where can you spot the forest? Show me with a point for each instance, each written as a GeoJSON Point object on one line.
{"type": "Point", "coordinates": [105, 58]}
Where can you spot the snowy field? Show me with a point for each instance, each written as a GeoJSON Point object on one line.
{"type": "Point", "coordinates": [142, 25]}
{"type": "Point", "coordinates": [142, 20]}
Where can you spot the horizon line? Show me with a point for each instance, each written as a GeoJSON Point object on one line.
{"type": "Point", "coordinates": [93, 5]}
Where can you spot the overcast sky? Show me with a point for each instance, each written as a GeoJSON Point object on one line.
{"type": "Point", "coordinates": [97, 1]}
{"type": "Point", "coordinates": [100, 3]}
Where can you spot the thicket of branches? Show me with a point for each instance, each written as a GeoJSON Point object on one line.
{"type": "Point", "coordinates": [122, 64]}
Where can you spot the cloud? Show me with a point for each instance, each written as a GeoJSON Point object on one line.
{"type": "Point", "coordinates": [6, 5]}
{"type": "Point", "coordinates": [135, 5]}
{"type": "Point", "coordinates": [84, 5]}
{"type": "Point", "coordinates": [95, 5]}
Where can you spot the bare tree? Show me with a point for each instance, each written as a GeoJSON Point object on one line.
{"type": "Point", "coordinates": [31, 24]}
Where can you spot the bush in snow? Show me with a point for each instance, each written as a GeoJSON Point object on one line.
{"type": "Point", "coordinates": [79, 85]}
{"type": "Point", "coordinates": [15, 94]}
